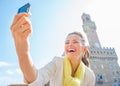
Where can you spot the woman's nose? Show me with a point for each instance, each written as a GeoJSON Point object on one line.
{"type": "Point", "coordinates": [70, 43]}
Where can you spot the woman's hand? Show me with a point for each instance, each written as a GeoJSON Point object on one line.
{"type": "Point", "coordinates": [21, 30]}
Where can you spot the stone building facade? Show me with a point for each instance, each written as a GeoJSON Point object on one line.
{"type": "Point", "coordinates": [103, 61]}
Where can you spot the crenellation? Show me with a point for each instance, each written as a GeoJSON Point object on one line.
{"type": "Point", "coordinates": [104, 52]}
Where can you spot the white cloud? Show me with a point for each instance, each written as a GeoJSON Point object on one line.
{"type": "Point", "coordinates": [2, 64]}
{"type": "Point", "coordinates": [14, 71]}
{"type": "Point", "coordinates": [10, 72]}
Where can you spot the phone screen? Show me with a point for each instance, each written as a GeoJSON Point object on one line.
{"type": "Point", "coordinates": [24, 8]}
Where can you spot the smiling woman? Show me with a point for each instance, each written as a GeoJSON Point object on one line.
{"type": "Point", "coordinates": [67, 71]}
{"type": "Point", "coordinates": [53, 18]}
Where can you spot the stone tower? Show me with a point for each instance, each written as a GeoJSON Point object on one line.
{"type": "Point", "coordinates": [103, 61]}
{"type": "Point", "coordinates": [89, 28]}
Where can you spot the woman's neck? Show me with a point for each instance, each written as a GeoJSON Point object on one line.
{"type": "Point", "coordinates": [74, 65]}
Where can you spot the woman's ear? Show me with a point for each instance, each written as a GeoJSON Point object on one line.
{"type": "Point", "coordinates": [85, 48]}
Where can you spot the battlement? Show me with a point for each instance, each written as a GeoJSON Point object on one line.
{"type": "Point", "coordinates": [105, 52]}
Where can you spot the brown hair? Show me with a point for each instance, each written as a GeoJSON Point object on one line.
{"type": "Point", "coordinates": [85, 58]}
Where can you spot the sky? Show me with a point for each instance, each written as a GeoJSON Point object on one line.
{"type": "Point", "coordinates": [52, 20]}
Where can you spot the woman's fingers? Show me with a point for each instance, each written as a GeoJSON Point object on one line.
{"type": "Point", "coordinates": [26, 28]}
{"type": "Point", "coordinates": [18, 17]}
{"type": "Point", "coordinates": [21, 23]}
{"type": "Point", "coordinates": [18, 24]}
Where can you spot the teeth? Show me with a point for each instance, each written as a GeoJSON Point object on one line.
{"type": "Point", "coordinates": [71, 50]}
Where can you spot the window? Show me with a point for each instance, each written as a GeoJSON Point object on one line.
{"type": "Point", "coordinates": [100, 79]}
{"type": "Point", "coordinates": [95, 66]}
{"type": "Point", "coordinates": [87, 19]}
{"type": "Point", "coordinates": [102, 66]}
{"type": "Point", "coordinates": [110, 66]}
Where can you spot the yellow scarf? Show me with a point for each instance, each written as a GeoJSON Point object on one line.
{"type": "Point", "coordinates": [68, 80]}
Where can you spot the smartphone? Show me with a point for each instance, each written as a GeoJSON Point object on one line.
{"type": "Point", "coordinates": [25, 8]}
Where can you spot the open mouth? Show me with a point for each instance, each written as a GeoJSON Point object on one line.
{"type": "Point", "coordinates": [71, 50]}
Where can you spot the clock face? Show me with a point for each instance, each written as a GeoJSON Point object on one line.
{"type": "Point", "coordinates": [86, 27]}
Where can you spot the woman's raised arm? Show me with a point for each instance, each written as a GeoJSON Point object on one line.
{"type": "Point", "coordinates": [21, 29]}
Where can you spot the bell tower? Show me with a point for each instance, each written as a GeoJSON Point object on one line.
{"type": "Point", "coordinates": [89, 28]}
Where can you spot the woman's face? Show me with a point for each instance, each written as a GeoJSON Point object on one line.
{"type": "Point", "coordinates": [73, 46]}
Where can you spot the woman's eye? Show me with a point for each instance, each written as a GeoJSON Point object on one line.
{"type": "Point", "coordinates": [72, 42]}
{"type": "Point", "coordinates": [66, 42]}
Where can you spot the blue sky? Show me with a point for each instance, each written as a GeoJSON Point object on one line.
{"type": "Point", "coordinates": [51, 21]}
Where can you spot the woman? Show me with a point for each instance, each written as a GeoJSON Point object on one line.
{"type": "Point", "coordinates": [66, 71]}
